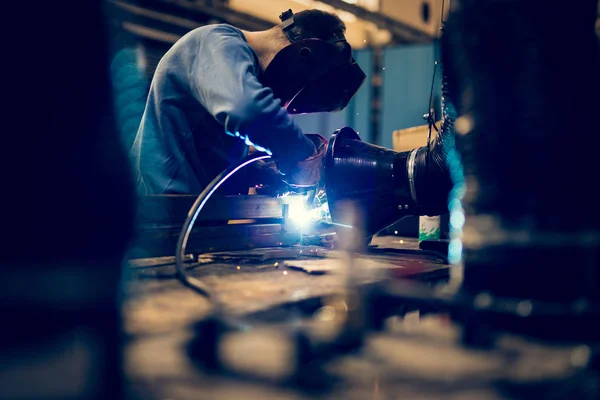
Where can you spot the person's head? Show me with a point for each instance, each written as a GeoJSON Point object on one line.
{"type": "Point", "coordinates": [307, 62]}
{"type": "Point", "coordinates": [309, 24]}
{"type": "Point", "coordinates": [317, 24]}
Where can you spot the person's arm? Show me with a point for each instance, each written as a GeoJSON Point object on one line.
{"type": "Point", "coordinates": [223, 78]}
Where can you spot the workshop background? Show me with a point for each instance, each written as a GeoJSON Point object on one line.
{"type": "Point", "coordinates": [386, 32]}
{"type": "Point", "coordinates": [513, 317]}
{"type": "Point", "coordinates": [399, 33]}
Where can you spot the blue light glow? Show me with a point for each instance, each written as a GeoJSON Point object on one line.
{"type": "Point", "coordinates": [297, 211]}
{"type": "Point", "coordinates": [257, 147]}
{"type": "Point", "coordinates": [455, 251]}
{"type": "Point", "coordinates": [457, 215]}
{"type": "Point", "coordinates": [457, 220]}
{"type": "Point", "coordinates": [454, 204]}
{"type": "Point", "coordinates": [307, 216]}
{"type": "Point", "coordinates": [248, 142]}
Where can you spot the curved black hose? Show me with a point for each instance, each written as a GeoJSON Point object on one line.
{"type": "Point", "coordinates": [187, 280]}
{"type": "Point", "coordinates": [432, 182]}
{"type": "Point", "coordinates": [428, 167]}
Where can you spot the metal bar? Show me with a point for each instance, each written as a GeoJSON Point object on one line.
{"type": "Point", "coordinates": [149, 24]}
{"type": "Point", "coordinates": [237, 18]}
{"type": "Point", "coordinates": [401, 30]}
{"type": "Point", "coordinates": [170, 210]}
{"type": "Point", "coordinates": [162, 242]}
{"type": "Point", "coordinates": [144, 12]}
{"type": "Point", "coordinates": [149, 33]}
{"type": "Point", "coordinates": [163, 18]}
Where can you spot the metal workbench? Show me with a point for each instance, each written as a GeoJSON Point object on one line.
{"type": "Point", "coordinates": [160, 312]}
{"type": "Point", "coordinates": [257, 270]}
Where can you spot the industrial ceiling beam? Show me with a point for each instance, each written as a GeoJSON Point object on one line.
{"type": "Point", "coordinates": [216, 10]}
{"type": "Point", "coordinates": [149, 33]}
{"type": "Point", "coordinates": [401, 31]}
{"type": "Point", "coordinates": [180, 16]}
{"type": "Point", "coordinates": [138, 11]}
{"type": "Point", "coordinates": [148, 24]}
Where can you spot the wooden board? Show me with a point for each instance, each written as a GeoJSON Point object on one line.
{"type": "Point", "coordinates": [169, 210]}
{"type": "Point", "coordinates": [225, 223]}
{"type": "Point", "coordinates": [160, 242]}
{"type": "Point", "coordinates": [412, 138]}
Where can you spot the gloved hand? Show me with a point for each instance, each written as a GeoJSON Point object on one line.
{"type": "Point", "coordinates": [308, 172]}
{"type": "Point", "coordinates": [265, 178]}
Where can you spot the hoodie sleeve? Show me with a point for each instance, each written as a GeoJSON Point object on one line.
{"type": "Point", "coordinates": [224, 78]}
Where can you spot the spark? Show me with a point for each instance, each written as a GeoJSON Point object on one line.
{"type": "Point", "coordinates": [341, 225]}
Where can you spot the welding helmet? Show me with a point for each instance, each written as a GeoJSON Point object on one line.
{"type": "Point", "coordinates": [312, 75]}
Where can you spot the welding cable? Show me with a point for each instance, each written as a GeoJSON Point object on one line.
{"type": "Point", "coordinates": [431, 179]}
{"type": "Point", "coordinates": [191, 282]}
{"type": "Point", "coordinates": [428, 169]}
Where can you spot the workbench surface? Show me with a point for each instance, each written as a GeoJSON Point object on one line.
{"type": "Point", "coordinates": [414, 357]}
{"type": "Point", "coordinates": [160, 312]}
{"type": "Point", "coordinates": [250, 281]}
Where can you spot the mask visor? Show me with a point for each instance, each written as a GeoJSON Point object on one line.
{"type": "Point", "coordinates": [330, 92]}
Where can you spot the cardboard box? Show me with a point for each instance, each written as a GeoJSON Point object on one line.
{"type": "Point", "coordinates": [412, 138]}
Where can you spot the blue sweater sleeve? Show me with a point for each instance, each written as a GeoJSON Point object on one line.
{"type": "Point", "coordinates": [224, 79]}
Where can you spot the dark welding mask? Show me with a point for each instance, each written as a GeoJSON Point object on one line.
{"type": "Point", "coordinates": [312, 75]}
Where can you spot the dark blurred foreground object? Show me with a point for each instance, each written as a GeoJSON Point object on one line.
{"type": "Point", "coordinates": [68, 208]}
{"type": "Point", "coordinates": [523, 76]}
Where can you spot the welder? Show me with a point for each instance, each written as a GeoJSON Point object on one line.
{"type": "Point", "coordinates": [220, 91]}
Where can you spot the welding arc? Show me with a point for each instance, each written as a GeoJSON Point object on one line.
{"type": "Point", "coordinates": [194, 283]}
